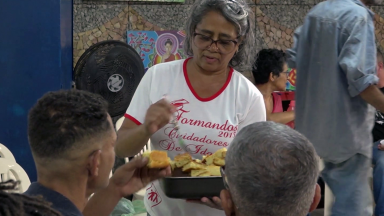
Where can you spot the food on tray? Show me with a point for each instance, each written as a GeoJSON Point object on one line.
{"type": "Point", "coordinates": [208, 159]}
{"type": "Point", "coordinates": [213, 170]}
{"type": "Point", "coordinates": [206, 171]}
{"type": "Point", "coordinates": [200, 173]}
{"type": "Point", "coordinates": [219, 161]}
{"type": "Point", "coordinates": [157, 159]}
{"type": "Point", "coordinates": [193, 166]}
{"type": "Point", "coordinates": [218, 158]}
{"type": "Point", "coordinates": [209, 166]}
{"type": "Point", "coordinates": [182, 159]}
{"type": "Point", "coordinates": [173, 165]}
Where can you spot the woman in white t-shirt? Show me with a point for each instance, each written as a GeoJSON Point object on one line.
{"type": "Point", "coordinates": [210, 100]}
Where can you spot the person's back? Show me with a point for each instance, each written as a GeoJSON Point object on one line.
{"type": "Point", "coordinates": [72, 140]}
{"type": "Point", "coordinates": [12, 204]}
{"type": "Point", "coordinates": [335, 57]}
{"type": "Point", "coordinates": [332, 69]}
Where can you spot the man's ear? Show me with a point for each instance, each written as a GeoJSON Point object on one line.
{"type": "Point", "coordinates": [94, 164]}
{"type": "Point", "coordinates": [227, 203]}
{"type": "Point", "coordinates": [316, 198]}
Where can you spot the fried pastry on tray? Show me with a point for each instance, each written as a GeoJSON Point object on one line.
{"type": "Point", "coordinates": [157, 159]}
{"type": "Point", "coordinates": [217, 158]}
{"type": "Point", "coordinates": [213, 170]}
{"type": "Point", "coordinates": [208, 166]}
{"type": "Point", "coordinates": [219, 161]}
{"type": "Point", "coordinates": [193, 166]}
{"type": "Point", "coordinates": [208, 159]}
{"type": "Point", "coordinates": [200, 173]}
{"type": "Point", "coordinates": [182, 159]}
{"type": "Point", "coordinates": [173, 165]}
{"type": "Point", "coordinates": [206, 171]}
{"type": "Point", "coordinates": [221, 153]}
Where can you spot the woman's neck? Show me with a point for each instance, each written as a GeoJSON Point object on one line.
{"type": "Point", "coordinates": [194, 67]}
{"type": "Point", "coordinates": [265, 89]}
{"type": "Point", "coordinates": [206, 83]}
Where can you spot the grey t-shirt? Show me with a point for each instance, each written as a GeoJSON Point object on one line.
{"type": "Point", "coordinates": [335, 57]}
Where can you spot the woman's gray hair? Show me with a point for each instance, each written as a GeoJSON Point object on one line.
{"type": "Point", "coordinates": [237, 12]}
{"type": "Point", "coordinates": [271, 170]}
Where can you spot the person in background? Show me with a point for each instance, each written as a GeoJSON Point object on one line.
{"type": "Point", "coordinates": [378, 129]}
{"type": "Point", "coordinates": [72, 139]}
{"type": "Point", "coordinates": [208, 98]}
{"type": "Point", "coordinates": [334, 54]}
{"type": "Point", "coordinates": [13, 204]}
{"type": "Point", "coordinates": [271, 74]}
{"type": "Point", "coordinates": [271, 170]}
{"type": "Point", "coordinates": [378, 149]}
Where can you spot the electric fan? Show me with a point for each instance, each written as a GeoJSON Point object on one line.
{"type": "Point", "coordinates": [112, 69]}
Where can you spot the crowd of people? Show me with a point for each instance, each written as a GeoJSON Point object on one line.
{"type": "Point", "coordinates": [271, 169]}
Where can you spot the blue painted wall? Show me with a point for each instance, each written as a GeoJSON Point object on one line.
{"type": "Point", "coordinates": [35, 57]}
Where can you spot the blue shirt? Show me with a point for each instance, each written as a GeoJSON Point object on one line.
{"type": "Point", "coordinates": [59, 202]}
{"type": "Point", "coordinates": [335, 57]}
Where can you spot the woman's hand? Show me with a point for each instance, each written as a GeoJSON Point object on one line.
{"type": "Point", "coordinates": [127, 180]}
{"type": "Point", "coordinates": [158, 115]}
{"type": "Point", "coordinates": [135, 175]}
{"type": "Point", "coordinates": [215, 202]}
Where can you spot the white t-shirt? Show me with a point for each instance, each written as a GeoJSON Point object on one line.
{"type": "Point", "coordinates": [206, 124]}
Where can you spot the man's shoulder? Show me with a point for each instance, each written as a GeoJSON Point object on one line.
{"type": "Point", "coordinates": [341, 10]}
{"type": "Point", "coordinates": [59, 202]}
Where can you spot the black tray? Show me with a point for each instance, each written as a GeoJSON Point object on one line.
{"type": "Point", "coordinates": [183, 186]}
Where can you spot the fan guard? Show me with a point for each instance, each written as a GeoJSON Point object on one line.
{"type": "Point", "coordinates": [112, 69]}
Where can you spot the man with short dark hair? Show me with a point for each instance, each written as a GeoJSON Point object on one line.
{"type": "Point", "coordinates": [72, 139]}
{"type": "Point", "coordinates": [271, 170]}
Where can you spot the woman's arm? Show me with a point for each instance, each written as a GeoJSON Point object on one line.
{"type": "Point", "coordinates": [282, 117]}
{"type": "Point", "coordinates": [131, 138]}
{"type": "Point", "coordinates": [279, 117]}
{"type": "Point", "coordinates": [140, 117]}
{"type": "Point", "coordinates": [133, 135]}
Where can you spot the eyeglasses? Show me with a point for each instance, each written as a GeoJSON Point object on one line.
{"type": "Point", "coordinates": [222, 172]}
{"type": "Point", "coordinates": [223, 46]}
{"type": "Point", "coordinates": [287, 73]}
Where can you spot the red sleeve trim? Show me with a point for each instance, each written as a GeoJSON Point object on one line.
{"type": "Point", "coordinates": [132, 119]}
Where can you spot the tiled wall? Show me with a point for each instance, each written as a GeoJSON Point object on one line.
{"type": "Point", "coordinates": [96, 21]}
